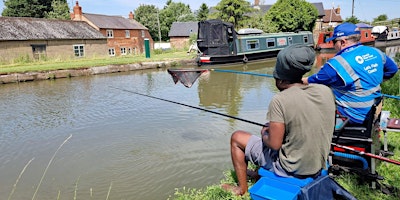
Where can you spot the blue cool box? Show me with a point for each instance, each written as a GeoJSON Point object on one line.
{"type": "Point", "coordinates": [271, 189]}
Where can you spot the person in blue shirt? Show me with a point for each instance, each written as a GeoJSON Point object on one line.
{"type": "Point", "coordinates": [354, 74]}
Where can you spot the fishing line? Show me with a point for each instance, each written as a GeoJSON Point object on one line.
{"type": "Point", "coordinates": [182, 104]}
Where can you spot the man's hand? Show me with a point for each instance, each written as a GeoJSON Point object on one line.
{"type": "Point", "coordinates": [265, 129]}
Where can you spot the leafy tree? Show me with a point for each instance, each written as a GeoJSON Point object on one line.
{"type": "Point", "coordinates": [352, 19]}
{"type": "Point", "coordinates": [202, 14]}
{"type": "Point", "coordinates": [27, 8]}
{"type": "Point", "coordinates": [233, 11]}
{"type": "Point", "coordinates": [256, 20]}
{"type": "Point", "coordinates": [291, 15]}
{"type": "Point", "coordinates": [381, 18]}
{"type": "Point", "coordinates": [147, 16]}
{"type": "Point", "coordinates": [174, 12]}
{"type": "Point", "coordinates": [60, 10]}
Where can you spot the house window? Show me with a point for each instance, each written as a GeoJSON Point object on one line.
{"type": "Point", "coordinates": [127, 34]}
{"type": "Point", "coordinates": [129, 50]}
{"type": "Point", "coordinates": [110, 33]}
{"type": "Point", "coordinates": [79, 50]}
{"type": "Point", "coordinates": [253, 44]}
{"type": "Point", "coordinates": [270, 42]}
{"type": "Point", "coordinates": [143, 33]}
{"type": "Point", "coordinates": [111, 52]}
{"type": "Point", "coordinates": [305, 39]}
{"type": "Point", "coordinates": [39, 51]}
{"type": "Point", "coordinates": [123, 51]}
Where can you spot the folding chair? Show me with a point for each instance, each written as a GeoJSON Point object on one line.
{"type": "Point", "coordinates": [361, 137]}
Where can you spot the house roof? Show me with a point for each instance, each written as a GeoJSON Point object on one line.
{"type": "Point", "coordinates": [335, 17]}
{"type": "Point", "coordinates": [183, 29]}
{"type": "Point", "coordinates": [22, 28]}
{"type": "Point", "coordinates": [113, 22]}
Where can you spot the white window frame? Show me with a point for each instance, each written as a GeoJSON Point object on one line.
{"type": "Point", "coordinates": [111, 52]}
{"type": "Point", "coordinates": [123, 50]}
{"type": "Point", "coordinates": [271, 40]}
{"type": "Point", "coordinates": [251, 43]}
{"type": "Point", "coordinates": [79, 50]}
{"type": "Point", "coordinates": [143, 35]}
{"type": "Point", "coordinates": [127, 34]}
{"type": "Point", "coordinates": [109, 33]}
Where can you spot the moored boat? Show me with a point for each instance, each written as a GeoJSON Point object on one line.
{"type": "Point", "coordinates": [385, 37]}
{"type": "Point", "coordinates": [366, 39]}
{"type": "Point", "coordinates": [218, 43]}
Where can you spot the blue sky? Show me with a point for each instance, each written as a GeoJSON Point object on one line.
{"type": "Point", "coordinates": [363, 9]}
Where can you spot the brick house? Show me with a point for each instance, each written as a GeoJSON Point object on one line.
{"type": "Point", "coordinates": [124, 35]}
{"type": "Point", "coordinates": [37, 38]}
{"type": "Point", "coordinates": [180, 32]}
{"type": "Point", "coordinates": [332, 18]}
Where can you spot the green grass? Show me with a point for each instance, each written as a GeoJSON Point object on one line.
{"type": "Point", "coordinates": [22, 65]}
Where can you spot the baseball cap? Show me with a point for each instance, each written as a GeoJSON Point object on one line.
{"type": "Point", "coordinates": [344, 29]}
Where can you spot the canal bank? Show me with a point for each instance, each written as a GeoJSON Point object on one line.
{"type": "Point", "coordinates": [68, 73]}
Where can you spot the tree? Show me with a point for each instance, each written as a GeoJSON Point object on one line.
{"type": "Point", "coordinates": [60, 10]}
{"type": "Point", "coordinates": [27, 8]}
{"type": "Point", "coordinates": [381, 18]}
{"type": "Point", "coordinates": [174, 12]}
{"type": "Point", "coordinates": [147, 15]}
{"type": "Point", "coordinates": [352, 19]}
{"type": "Point", "coordinates": [233, 11]}
{"type": "Point", "coordinates": [202, 14]}
{"type": "Point", "coordinates": [291, 15]}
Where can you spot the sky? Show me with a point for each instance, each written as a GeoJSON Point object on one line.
{"type": "Point", "coordinates": [365, 10]}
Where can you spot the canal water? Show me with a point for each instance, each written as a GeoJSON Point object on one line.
{"type": "Point", "coordinates": [95, 138]}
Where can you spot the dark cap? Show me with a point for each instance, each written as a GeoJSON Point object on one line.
{"type": "Point", "coordinates": [293, 62]}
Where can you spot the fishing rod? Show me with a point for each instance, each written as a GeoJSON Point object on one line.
{"type": "Point", "coordinates": [239, 72]}
{"type": "Point", "coordinates": [198, 108]}
{"type": "Point", "coordinates": [367, 154]}
{"type": "Point", "coordinates": [271, 76]}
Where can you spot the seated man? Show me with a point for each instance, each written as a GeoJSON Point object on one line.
{"type": "Point", "coordinates": [354, 73]}
{"type": "Point", "coordinates": [301, 121]}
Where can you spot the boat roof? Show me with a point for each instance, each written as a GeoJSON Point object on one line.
{"type": "Point", "coordinates": [247, 31]}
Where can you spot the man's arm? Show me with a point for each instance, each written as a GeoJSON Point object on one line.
{"type": "Point", "coordinates": [389, 68]}
{"type": "Point", "coordinates": [273, 138]}
{"type": "Point", "coordinates": [326, 76]}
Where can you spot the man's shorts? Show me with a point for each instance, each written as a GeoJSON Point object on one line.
{"type": "Point", "coordinates": [263, 156]}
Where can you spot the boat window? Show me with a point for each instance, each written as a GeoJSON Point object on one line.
{"type": "Point", "coordinates": [270, 42]}
{"type": "Point", "coordinates": [305, 39]}
{"type": "Point", "coordinates": [252, 44]}
{"type": "Point", "coordinates": [366, 34]}
{"type": "Point", "coordinates": [290, 40]}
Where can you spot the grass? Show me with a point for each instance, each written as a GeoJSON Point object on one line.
{"type": "Point", "coordinates": [22, 66]}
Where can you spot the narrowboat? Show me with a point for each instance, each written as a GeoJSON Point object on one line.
{"type": "Point", "coordinates": [385, 37]}
{"type": "Point", "coordinates": [366, 38]}
{"type": "Point", "coordinates": [218, 43]}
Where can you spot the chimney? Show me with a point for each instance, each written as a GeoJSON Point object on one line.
{"type": "Point", "coordinates": [256, 2]}
{"type": "Point", "coordinates": [131, 15]}
{"type": "Point", "coordinates": [337, 10]}
{"type": "Point", "coordinates": [77, 14]}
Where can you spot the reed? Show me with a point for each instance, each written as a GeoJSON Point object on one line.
{"type": "Point", "coordinates": [109, 190]}
{"type": "Point", "coordinates": [48, 165]}
{"type": "Point", "coordinates": [19, 177]}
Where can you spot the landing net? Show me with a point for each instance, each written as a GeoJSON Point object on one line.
{"type": "Point", "coordinates": [186, 76]}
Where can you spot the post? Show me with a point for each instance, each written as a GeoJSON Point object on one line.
{"type": "Point", "coordinates": [147, 47]}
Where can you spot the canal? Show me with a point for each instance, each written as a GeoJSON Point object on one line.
{"type": "Point", "coordinates": [95, 137]}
